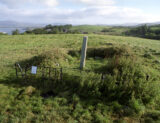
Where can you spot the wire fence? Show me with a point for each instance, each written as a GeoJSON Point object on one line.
{"type": "Point", "coordinates": [51, 73]}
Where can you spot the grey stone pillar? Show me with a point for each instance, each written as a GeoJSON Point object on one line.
{"type": "Point", "coordinates": [83, 52]}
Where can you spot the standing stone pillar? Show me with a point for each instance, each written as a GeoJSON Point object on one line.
{"type": "Point", "coordinates": [83, 52]}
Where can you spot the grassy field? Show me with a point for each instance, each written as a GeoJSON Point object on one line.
{"type": "Point", "coordinates": [89, 28]}
{"type": "Point", "coordinates": [99, 28]}
{"type": "Point", "coordinates": [81, 99]}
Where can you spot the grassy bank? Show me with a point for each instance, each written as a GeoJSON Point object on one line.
{"type": "Point", "coordinates": [129, 91]}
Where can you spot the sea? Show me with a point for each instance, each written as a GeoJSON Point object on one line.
{"type": "Point", "coordinates": [9, 30]}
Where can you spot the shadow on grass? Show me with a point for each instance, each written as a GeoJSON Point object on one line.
{"type": "Point", "coordinates": [69, 85]}
{"type": "Point", "coordinates": [35, 60]}
{"type": "Point", "coordinates": [102, 52]}
{"type": "Point", "coordinates": [40, 82]}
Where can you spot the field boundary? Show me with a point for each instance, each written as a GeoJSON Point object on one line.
{"type": "Point", "coordinates": [46, 72]}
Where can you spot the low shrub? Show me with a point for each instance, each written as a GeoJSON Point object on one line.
{"type": "Point", "coordinates": [126, 79]}
{"type": "Point", "coordinates": [108, 52]}
{"type": "Point", "coordinates": [125, 82]}
{"type": "Point", "coordinates": [147, 55]}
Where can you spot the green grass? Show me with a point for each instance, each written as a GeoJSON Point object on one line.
{"type": "Point", "coordinates": [156, 27]}
{"type": "Point", "coordinates": [13, 48]}
{"type": "Point", "coordinates": [89, 28]}
{"type": "Point", "coordinates": [99, 28]}
{"type": "Point", "coordinates": [67, 106]}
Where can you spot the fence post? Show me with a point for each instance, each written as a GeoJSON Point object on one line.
{"type": "Point", "coordinates": [83, 52]}
{"type": "Point", "coordinates": [50, 72]}
{"type": "Point", "coordinates": [55, 70]}
{"type": "Point", "coordinates": [102, 77]}
{"type": "Point", "coordinates": [42, 72]}
{"type": "Point", "coordinates": [16, 70]}
{"type": "Point", "coordinates": [61, 75]}
{"type": "Point", "coordinates": [25, 73]}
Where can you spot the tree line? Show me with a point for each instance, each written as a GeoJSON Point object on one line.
{"type": "Point", "coordinates": [49, 29]}
{"type": "Point", "coordinates": [144, 31]}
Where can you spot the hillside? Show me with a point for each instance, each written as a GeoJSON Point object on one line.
{"type": "Point", "coordinates": [89, 28]}
{"type": "Point", "coordinates": [129, 91]}
{"type": "Point", "coordinates": [15, 24]}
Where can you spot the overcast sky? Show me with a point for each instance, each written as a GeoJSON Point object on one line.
{"type": "Point", "coordinates": [80, 11]}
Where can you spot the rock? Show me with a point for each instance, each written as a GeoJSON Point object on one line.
{"type": "Point", "coordinates": [26, 92]}
{"type": "Point", "coordinates": [29, 90]}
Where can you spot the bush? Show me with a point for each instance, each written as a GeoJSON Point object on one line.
{"type": "Point", "coordinates": [149, 56]}
{"type": "Point", "coordinates": [126, 79]}
{"type": "Point", "coordinates": [107, 30]}
{"type": "Point", "coordinates": [137, 106]}
{"type": "Point", "coordinates": [99, 118]}
{"type": "Point", "coordinates": [84, 84]}
{"type": "Point", "coordinates": [15, 32]}
{"type": "Point", "coordinates": [109, 52]}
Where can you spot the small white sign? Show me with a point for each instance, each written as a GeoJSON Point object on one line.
{"type": "Point", "coordinates": [34, 70]}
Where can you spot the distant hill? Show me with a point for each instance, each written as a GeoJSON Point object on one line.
{"type": "Point", "coordinates": [133, 24]}
{"type": "Point", "coordinates": [14, 24]}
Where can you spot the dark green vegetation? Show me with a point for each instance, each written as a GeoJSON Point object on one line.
{"type": "Point", "coordinates": [50, 29]}
{"type": "Point", "coordinates": [15, 32]}
{"type": "Point", "coordinates": [144, 31]}
{"type": "Point", "coordinates": [128, 92]}
{"type": "Point", "coordinates": [151, 32]}
{"type": "Point", "coordinates": [66, 29]}
{"type": "Point", "coordinates": [81, 29]}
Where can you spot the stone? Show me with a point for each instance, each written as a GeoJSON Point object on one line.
{"type": "Point", "coordinates": [83, 52]}
{"type": "Point", "coordinates": [29, 90]}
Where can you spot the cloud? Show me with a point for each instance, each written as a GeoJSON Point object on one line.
{"type": "Point", "coordinates": [20, 3]}
{"type": "Point", "coordinates": [109, 14]}
{"type": "Point", "coordinates": [50, 3]}
{"type": "Point", "coordinates": [95, 2]}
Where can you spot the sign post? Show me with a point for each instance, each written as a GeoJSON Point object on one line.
{"type": "Point", "coordinates": [83, 52]}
